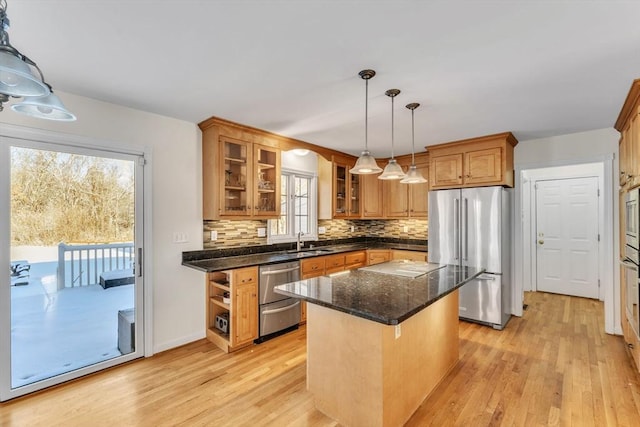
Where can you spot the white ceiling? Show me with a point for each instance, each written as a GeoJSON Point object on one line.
{"type": "Point", "coordinates": [536, 68]}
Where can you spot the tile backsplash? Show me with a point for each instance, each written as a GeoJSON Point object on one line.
{"type": "Point", "coordinates": [245, 232]}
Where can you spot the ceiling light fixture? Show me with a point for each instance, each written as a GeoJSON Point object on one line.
{"type": "Point", "coordinates": [366, 164]}
{"type": "Point", "coordinates": [413, 176]}
{"type": "Point", "coordinates": [393, 169]}
{"type": "Point", "coordinates": [17, 80]}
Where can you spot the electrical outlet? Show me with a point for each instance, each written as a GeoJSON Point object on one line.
{"type": "Point", "coordinates": [322, 230]}
{"type": "Point", "coordinates": [353, 228]}
{"type": "Point", "coordinates": [398, 331]}
{"type": "Point", "coordinates": [214, 235]}
{"type": "Point", "coordinates": [179, 237]}
{"type": "Point", "coordinates": [262, 232]}
{"type": "Point", "coordinates": [405, 228]}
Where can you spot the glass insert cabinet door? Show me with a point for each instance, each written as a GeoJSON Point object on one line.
{"type": "Point", "coordinates": [346, 195]}
{"type": "Point", "coordinates": [267, 189]}
{"type": "Point", "coordinates": [236, 162]}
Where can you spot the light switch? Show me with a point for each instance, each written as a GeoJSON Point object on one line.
{"type": "Point", "coordinates": [214, 235]}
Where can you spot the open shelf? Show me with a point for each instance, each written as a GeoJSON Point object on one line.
{"type": "Point", "coordinates": [234, 160]}
{"type": "Point", "coordinates": [216, 299]}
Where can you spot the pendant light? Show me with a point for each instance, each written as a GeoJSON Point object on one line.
{"type": "Point", "coordinates": [393, 169]}
{"type": "Point", "coordinates": [413, 176]}
{"type": "Point", "coordinates": [18, 80]}
{"type": "Point", "coordinates": [366, 164]}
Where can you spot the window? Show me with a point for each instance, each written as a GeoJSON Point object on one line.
{"type": "Point", "coordinates": [298, 207]}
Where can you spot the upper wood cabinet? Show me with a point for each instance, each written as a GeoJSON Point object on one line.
{"type": "Point", "coordinates": [240, 171]}
{"type": "Point", "coordinates": [372, 196]}
{"type": "Point", "coordinates": [628, 124]}
{"type": "Point", "coordinates": [474, 162]}
{"type": "Point", "coordinates": [346, 189]}
{"type": "Point", "coordinates": [407, 200]}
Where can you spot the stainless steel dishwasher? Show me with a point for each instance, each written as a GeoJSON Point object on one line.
{"type": "Point", "coordinates": [278, 313]}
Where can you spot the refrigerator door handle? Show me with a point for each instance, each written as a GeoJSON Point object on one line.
{"type": "Point", "coordinates": [465, 222]}
{"type": "Point", "coordinates": [456, 228]}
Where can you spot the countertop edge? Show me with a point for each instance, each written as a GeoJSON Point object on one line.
{"type": "Point", "coordinates": [381, 319]}
{"type": "Point", "coordinates": [246, 260]}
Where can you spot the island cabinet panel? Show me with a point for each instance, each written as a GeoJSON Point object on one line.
{"type": "Point", "coordinates": [232, 308]}
{"type": "Point", "coordinates": [364, 373]}
{"type": "Point", "coordinates": [474, 162]}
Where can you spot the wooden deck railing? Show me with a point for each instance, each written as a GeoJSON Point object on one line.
{"type": "Point", "coordinates": [81, 265]}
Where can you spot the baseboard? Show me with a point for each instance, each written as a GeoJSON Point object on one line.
{"type": "Point", "coordinates": [178, 342]}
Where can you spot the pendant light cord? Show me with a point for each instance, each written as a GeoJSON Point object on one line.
{"type": "Point", "coordinates": [366, 114]}
{"type": "Point", "coordinates": [392, 121]}
{"type": "Point", "coordinates": [413, 141]}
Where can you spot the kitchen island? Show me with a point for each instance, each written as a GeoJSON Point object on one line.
{"type": "Point", "coordinates": [378, 344]}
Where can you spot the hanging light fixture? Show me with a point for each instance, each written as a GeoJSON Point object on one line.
{"type": "Point", "coordinates": [413, 176]}
{"type": "Point", "coordinates": [393, 169]}
{"type": "Point", "coordinates": [366, 164]}
{"type": "Point", "coordinates": [17, 80]}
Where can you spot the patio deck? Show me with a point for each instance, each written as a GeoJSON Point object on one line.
{"type": "Point", "coordinates": [56, 331]}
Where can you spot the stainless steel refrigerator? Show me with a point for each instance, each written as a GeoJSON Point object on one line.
{"type": "Point", "coordinates": [472, 227]}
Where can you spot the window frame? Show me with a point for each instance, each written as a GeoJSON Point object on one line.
{"type": "Point", "coordinates": [312, 208]}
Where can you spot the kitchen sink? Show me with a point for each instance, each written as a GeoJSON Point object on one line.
{"type": "Point", "coordinates": [310, 252]}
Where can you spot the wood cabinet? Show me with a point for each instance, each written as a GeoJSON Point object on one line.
{"type": "Point", "coordinates": [319, 266]}
{"type": "Point", "coordinates": [241, 172]}
{"type": "Point", "coordinates": [474, 162]}
{"type": "Point", "coordinates": [407, 200]}
{"type": "Point", "coordinates": [346, 189]}
{"type": "Point", "coordinates": [312, 267]}
{"type": "Point", "coordinates": [354, 260]}
{"type": "Point", "coordinates": [232, 298]}
{"type": "Point", "coordinates": [408, 255]}
{"type": "Point", "coordinates": [377, 256]}
{"type": "Point", "coordinates": [372, 196]}
{"type": "Point", "coordinates": [334, 263]}
{"type": "Point", "coordinates": [628, 124]}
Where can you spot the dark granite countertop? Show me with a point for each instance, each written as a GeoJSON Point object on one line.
{"type": "Point", "coordinates": [380, 297]}
{"type": "Point", "coordinates": [209, 262]}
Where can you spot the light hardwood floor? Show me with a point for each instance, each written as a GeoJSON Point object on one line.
{"type": "Point", "coordinates": [553, 366]}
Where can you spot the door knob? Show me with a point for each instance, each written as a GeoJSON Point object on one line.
{"type": "Point", "coordinates": [541, 242]}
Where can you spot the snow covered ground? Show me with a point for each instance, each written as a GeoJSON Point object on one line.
{"type": "Point", "coordinates": [57, 331]}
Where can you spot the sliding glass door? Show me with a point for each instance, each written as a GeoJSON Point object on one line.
{"type": "Point", "coordinates": [71, 231]}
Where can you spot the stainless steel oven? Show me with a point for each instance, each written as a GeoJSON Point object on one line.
{"type": "Point", "coordinates": [632, 218]}
{"type": "Point", "coordinates": [631, 260]}
{"type": "Point", "coordinates": [277, 312]}
{"type": "Point", "coordinates": [633, 293]}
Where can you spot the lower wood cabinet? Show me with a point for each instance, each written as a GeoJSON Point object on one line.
{"type": "Point", "coordinates": [409, 255]}
{"type": "Point", "coordinates": [377, 256]}
{"type": "Point", "coordinates": [232, 308]}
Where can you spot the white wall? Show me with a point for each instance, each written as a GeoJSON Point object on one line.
{"type": "Point", "coordinates": [597, 146]}
{"type": "Point", "coordinates": [178, 292]}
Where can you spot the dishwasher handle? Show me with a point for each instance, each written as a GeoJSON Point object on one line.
{"type": "Point", "coordinates": [284, 270]}
{"type": "Point", "coordinates": [280, 310]}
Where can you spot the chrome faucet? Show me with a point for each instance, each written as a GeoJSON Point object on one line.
{"type": "Point", "coordinates": [299, 243]}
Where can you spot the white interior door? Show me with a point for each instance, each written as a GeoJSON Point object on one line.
{"type": "Point", "coordinates": [567, 236]}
